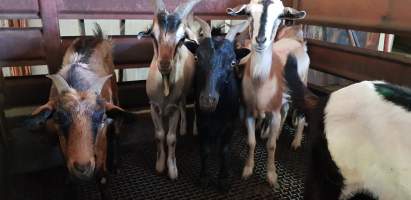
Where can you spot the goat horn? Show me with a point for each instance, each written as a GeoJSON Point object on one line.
{"type": "Point", "coordinates": [59, 82]}
{"type": "Point", "coordinates": [98, 85]}
{"type": "Point", "coordinates": [159, 6]}
{"type": "Point", "coordinates": [236, 29]}
{"type": "Point", "coordinates": [205, 27]}
{"type": "Point", "coordinates": [184, 9]}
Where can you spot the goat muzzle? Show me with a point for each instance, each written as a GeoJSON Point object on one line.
{"type": "Point", "coordinates": [208, 103]}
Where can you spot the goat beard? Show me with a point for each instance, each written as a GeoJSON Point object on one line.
{"type": "Point", "coordinates": [166, 84]}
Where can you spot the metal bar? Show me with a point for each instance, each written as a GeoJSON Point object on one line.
{"type": "Point", "coordinates": [359, 64]}
{"type": "Point", "coordinates": [51, 34]}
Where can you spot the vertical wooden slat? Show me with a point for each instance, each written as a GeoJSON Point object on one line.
{"type": "Point", "coordinates": [51, 34]}
{"type": "Point", "coordinates": [4, 144]}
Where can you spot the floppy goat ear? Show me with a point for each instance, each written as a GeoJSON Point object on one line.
{"type": "Point", "coordinates": [39, 117]}
{"type": "Point", "coordinates": [191, 46]}
{"type": "Point", "coordinates": [241, 53]}
{"type": "Point", "coordinates": [238, 11]}
{"type": "Point", "coordinates": [117, 113]}
{"type": "Point", "coordinates": [292, 14]}
{"type": "Point", "coordinates": [144, 34]}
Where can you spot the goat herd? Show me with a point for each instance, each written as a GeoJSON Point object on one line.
{"type": "Point", "coordinates": [361, 134]}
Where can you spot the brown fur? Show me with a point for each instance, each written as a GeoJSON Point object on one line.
{"type": "Point", "coordinates": [264, 95]}
{"type": "Point", "coordinates": [79, 146]}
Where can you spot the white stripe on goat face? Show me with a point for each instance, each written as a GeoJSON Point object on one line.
{"type": "Point", "coordinates": [270, 10]}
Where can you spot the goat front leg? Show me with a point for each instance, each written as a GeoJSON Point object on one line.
{"type": "Point", "coordinates": [249, 163]}
{"type": "Point", "coordinates": [183, 120]}
{"type": "Point", "coordinates": [103, 183]}
{"type": "Point", "coordinates": [224, 174]}
{"type": "Point", "coordinates": [171, 142]}
{"type": "Point", "coordinates": [204, 154]}
{"type": "Point", "coordinates": [271, 146]}
{"type": "Point", "coordinates": [298, 137]}
{"type": "Point", "coordinates": [159, 135]}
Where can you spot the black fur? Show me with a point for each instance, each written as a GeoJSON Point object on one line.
{"type": "Point", "coordinates": [216, 77]}
{"type": "Point", "coordinates": [263, 19]}
{"type": "Point", "coordinates": [85, 45]}
{"type": "Point", "coordinates": [168, 23]}
{"type": "Point", "coordinates": [363, 195]}
{"type": "Point", "coordinates": [324, 180]}
{"type": "Point", "coordinates": [38, 121]}
{"type": "Point", "coordinates": [400, 96]}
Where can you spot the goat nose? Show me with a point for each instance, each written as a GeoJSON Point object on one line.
{"type": "Point", "coordinates": [164, 64]}
{"type": "Point", "coordinates": [261, 40]}
{"type": "Point", "coordinates": [82, 168]}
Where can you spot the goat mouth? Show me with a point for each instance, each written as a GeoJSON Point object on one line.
{"type": "Point", "coordinates": [76, 176]}
{"type": "Point", "coordinates": [207, 107]}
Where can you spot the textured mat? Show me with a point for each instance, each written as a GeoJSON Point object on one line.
{"type": "Point", "coordinates": [138, 179]}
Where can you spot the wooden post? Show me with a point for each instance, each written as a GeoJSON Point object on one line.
{"type": "Point", "coordinates": [51, 34]}
{"type": "Point", "coordinates": [4, 144]}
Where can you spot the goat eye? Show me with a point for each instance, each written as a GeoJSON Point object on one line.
{"type": "Point", "coordinates": [233, 63]}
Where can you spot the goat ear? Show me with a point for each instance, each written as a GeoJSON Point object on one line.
{"type": "Point", "coordinates": [238, 11]}
{"type": "Point", "coordinates": [241, 53]}
{"type": "Point", "coordinates": [292, 14]}
{"type": "Point", "coordinates": [39, 118]}
{"type": "Point", "coordinates": [117, 113]}
{"type": "Point", "coordinates": [191, 46]}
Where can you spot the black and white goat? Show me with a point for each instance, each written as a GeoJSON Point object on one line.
{"type": "Point", "coordinates": [361, 143]}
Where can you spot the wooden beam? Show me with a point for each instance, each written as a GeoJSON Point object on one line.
{"type": "Point", "coordinates": [12, 9]}
{"type": "Point", "coordinates": [128, 51]}
{"type": "Point", "coordinates": [18, 45]}
{"type": "Point", "coordinates": [51, 34]}
{"type": "Point", "coordinates": [140, 9]}
{"type": "Point", "coordinates": [359, 64]}
{"type": "Point", "coordinates": [390, 16]}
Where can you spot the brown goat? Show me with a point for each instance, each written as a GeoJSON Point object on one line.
{"type": "Point", "coordinates": [170, 76]}
{"type": "Point", "coordinates": [80, 104]}
{"type": "Point", "coordinates": [263, 92]}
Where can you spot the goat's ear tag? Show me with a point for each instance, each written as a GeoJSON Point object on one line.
{"type": "Point", "coordinates": [191, 46]}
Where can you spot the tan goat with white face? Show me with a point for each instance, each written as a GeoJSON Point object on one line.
{"type": "Point", "coordinates": [170, 76]}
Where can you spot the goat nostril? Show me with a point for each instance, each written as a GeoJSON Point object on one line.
{"type": "Point", "coordinates": [82, 167]}
{"type": "Point", "coordinates": [261, 40]}
{"type": "Point", "coordinates": [164, 64]}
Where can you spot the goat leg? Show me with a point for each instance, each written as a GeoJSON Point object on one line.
{"type": "Point", "coordinates": [103, 183]}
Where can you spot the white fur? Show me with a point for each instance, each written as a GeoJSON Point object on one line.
{"type": "Point", "coordinates": [274, 11]}
{"type": "Point", "coordinates": [369, 138]}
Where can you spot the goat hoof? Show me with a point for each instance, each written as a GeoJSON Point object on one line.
{"type": "Point", "coordinates": [183, 131]}
{"type": "Point", "coordinates": [173, 173]}
{"type": "Point", "coordinates": [160, 165]}
{"type": "Point", "coordinates": [272, 179]}
{"type": "Point", "coordinates": [295, 145]}
{"type": "Point", "coordinates": [247, 172]}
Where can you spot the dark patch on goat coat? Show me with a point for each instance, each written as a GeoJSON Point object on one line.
{"type": "Point", "coordinates": [168, 22]}
{"type": "Point", "coordinates": [85, 46]}
{"type": "Point", "coordinates": [363, 195]}
{"type": "Point", "coordinates": [397, 95]}
{"type": "Point", "coordinates": [215, 75]}
{"type": "Point", "coordinates": [263, 19]}
{"type": "Point", "coordinates": [324, 180]}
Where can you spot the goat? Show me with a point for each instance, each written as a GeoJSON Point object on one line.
{"type": "Point", "coordinates": [80, 107]}
{"type": "Point", "coordinates": [170, 76]}
{"type": "Point", "coordinates": [217, 96]}
{"type": "Point", "coordinates": [262, 83]}
{"type": "Point", "coordinates": [361, 142]}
